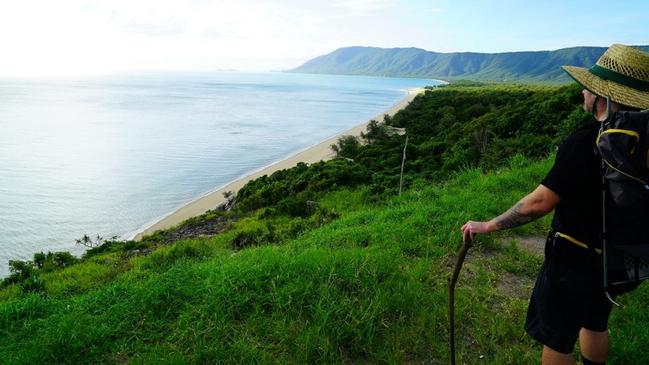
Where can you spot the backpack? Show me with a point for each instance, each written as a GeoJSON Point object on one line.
{"type": "Point", "coordinates": [623, 144]}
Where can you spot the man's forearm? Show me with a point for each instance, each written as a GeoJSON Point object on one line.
{"type": "Point", "coordinates": [536, 204]}
{"type": "Point", "coordinates": [517, 215]}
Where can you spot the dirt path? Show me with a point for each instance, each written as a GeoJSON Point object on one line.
{"type": "Point", "coordinates": [532, 244]}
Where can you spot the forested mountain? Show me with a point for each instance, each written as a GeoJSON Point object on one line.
{"type": "Point", "coordinates": [541, 66]}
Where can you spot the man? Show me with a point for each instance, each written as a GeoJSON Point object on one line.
{"type": "Point", "coordinates": [568, 300]}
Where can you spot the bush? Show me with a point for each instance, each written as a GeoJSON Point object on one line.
{"type": "Point", "coordinates": [25, 275]}
{"type": "Point", "coordinates": [375, 131]}
{"type": "Point", "coordinates": [54, 260]}
{"type": "Point", "coordinates": [347, 146]}
{"type": "Point", "coordinates": [19, 271]}
{"type": "Point", "coordinates": [32, 284]}
{"type": "Point", "coordinates": [113, 244]}
{"type": "Point", "coordinates": [301, 183]}
{"type": "Point", "coordinates": [294, 207]}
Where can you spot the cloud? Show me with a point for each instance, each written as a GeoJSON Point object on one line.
{"type": "Point", "coordinates": [84, 36]}
{"type": "Point", "coordinates": [364, 6]}
{"type": "Point", "coordinates": [157, 19]}
{"type": "Point", "coordinates": [161, 29]}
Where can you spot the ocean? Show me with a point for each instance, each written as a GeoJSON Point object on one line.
{"type": "Point", "coordinates": [109, 156]}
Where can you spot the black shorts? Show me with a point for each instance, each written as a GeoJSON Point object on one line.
{"type": "Point", "coordinates": [568, 295]}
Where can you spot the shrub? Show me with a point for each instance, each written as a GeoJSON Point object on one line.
{"type": "Point", "coordinates": [54, 260]}
{"type": "Point", "coordinates": [32, 284]}
{"type": "Point", "coordinates": [294, 207]}
{"type": "Point", "coordinates": [19, 271]}
{"type": "Point", "coordinates": [347, 146]}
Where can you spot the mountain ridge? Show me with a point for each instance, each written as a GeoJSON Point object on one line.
{"type": "Point", "coordinates": [534, 66]}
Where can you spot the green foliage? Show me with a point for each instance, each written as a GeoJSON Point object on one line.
{"type": "Point", "coordinates": [346, 146]}
{"type": "Point", "coordinates": [32, 284]}
{"type": "Point", "coordinates": [295, 186]}
{"type": "Point", "coordinates": [271, 228]}
{"type": "Point", "coordinates": [252, 232]}
{"type": "Point", "coordinates": [28, 275]}
{"type": "Point", "coordinates": [19, 271]}
{"type": "Point", "coordinates": [294, 207]}
{"type": "Point", "coordinates": [54, 260]}
{"type": "Point", "coordinates": [25, 275]}
{"type": "Point", "coordinates": [113, 245]}
{"type": "Point", "coordinates": [374, 131]}
{"type": "Point", "coordinates": [90, 242]}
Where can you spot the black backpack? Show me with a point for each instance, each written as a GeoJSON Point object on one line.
{"type": "Point", "coordinates": [623, 144]}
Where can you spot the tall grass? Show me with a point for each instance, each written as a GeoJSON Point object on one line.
{"type": "Point", "coordinates": [370, 287]}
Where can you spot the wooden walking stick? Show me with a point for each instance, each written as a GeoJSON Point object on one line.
{"type": "Point", "coordinates": [451, 294]}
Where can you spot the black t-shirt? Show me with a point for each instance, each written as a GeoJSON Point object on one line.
{"type": "Point", "coordinates": [576, 178]}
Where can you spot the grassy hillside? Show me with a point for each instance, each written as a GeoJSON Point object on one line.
{"type": "Point", "coordinates": [543, 66]}
{"type": "Point", "coordinates": [326, 263]}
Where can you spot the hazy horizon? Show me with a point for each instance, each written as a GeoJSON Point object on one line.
{"type": "Point", "coordinates": [84, 37]}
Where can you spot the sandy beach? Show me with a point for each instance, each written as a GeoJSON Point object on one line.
{"type": "Point", "coordinates": [316, 153]}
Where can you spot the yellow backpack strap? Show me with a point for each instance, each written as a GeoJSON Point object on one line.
{"type": "Point", "coordinates": [576, 242]}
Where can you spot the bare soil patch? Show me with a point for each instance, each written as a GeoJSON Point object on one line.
{"type": "Point", "coordinates": [514, 286]}
{"type": "Point", "coordinates": [531, 244]}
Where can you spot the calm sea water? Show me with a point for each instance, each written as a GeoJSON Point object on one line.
{"type": "Point", "coordinates": [109, 156]}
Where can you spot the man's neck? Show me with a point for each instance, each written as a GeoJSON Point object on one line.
{"type": "Point", "coordinates": [602, 113]}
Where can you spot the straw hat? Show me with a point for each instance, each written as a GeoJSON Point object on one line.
{"type": "Point", "coordinates": [622, 73]}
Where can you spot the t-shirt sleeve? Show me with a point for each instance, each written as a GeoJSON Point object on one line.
{"type": "Point", "coordinates": [570, 170]}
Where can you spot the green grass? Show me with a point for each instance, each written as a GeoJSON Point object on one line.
{"type": "Point", "coordinates": [369, 287]}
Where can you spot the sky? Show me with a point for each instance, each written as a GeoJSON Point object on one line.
{"type": "Point", "coordinates": [44, 38]}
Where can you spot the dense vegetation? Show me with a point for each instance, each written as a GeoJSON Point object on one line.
{"type": "Point", "coordinates": [447, 129]}
{"type": "Point", "coordinates": [536, 66]}
{"type": "Point", "coordinates": [326, 263]}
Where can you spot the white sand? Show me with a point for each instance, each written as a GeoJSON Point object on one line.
{"type": "Point", "coordinates": [316, 153]}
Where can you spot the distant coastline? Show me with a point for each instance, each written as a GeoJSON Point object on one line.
{"type": "Point", "coordinates": [315, 153]}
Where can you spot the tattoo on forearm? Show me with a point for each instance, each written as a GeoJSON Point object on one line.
{"type": "Point", "coordinates": [514, 218]}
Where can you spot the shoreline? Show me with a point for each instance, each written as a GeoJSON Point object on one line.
{"type": "Point", "coordinates": [309, 155]}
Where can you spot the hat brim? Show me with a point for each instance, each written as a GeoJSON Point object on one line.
{"type": "Point", "coordinates": [618, 93]}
